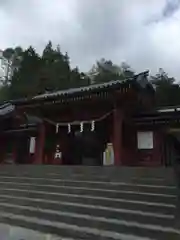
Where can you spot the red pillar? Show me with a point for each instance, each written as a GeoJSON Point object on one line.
{"type": "Point", "coordinates": [117, 136]}
{"type": "Point", "coordinates": [39, 149]}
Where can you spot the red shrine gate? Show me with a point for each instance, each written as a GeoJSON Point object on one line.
{"type": "Point", "coordinates": [78, 126]}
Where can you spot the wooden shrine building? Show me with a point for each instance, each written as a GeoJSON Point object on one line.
{"type": "Point", "coordinates": [112, 123]}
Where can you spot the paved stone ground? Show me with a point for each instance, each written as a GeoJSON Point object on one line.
{"type": "Point", "coordinates": [8, 232]}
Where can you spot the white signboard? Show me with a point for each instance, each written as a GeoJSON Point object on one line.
{"type": "Point", "coordinates": [145, 140]}
{"type": "Point", "coordinates": [32, 145]}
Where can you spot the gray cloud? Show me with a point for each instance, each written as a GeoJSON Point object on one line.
{"type": "Point", "coordinates": [120, 30]}
{"type": "Point", "coordinates": [170, 8]}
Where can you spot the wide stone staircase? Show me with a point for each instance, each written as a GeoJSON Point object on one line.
{"type": "Point", "coordinates": [90, 202]}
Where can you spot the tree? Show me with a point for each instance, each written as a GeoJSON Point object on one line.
{"type": "Point", "coordinates": [78, 79]}
{"type": "Point", "coordinates": [126, 70]}
{"type": "Point", "coordinates": [55, 69]}
{"type": "Point", "coordinates": [106, 70]}
{"type": "Point", "coordinates": [56, 73]}
{"type": "Point", "coordinates": [24, 82]}
{"type": "Point", "coordinates": [167, 90]}
{"type": "Point", "coordinates": [34, 74]}
{"type": "Point", "coordinates": [12, 59]}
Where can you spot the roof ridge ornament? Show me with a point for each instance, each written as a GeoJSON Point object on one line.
{"type": "Point", "coordinates": [6, 108]}
{"type": "Point", "coordinates": [142, 78]}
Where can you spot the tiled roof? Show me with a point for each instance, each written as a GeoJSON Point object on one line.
{"type": "Point", "coordinates": [161, 115]}
{"type": "Point", "coordinates": [81, 89]}
{"type": "Point", "coordinates": [139, 78]}
{"type": "Point", "coordinates": [166, 109]}
{"type": "Point", "coordinates": [6, 109]}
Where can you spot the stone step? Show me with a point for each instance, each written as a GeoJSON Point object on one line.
{"type": "Point", "coordinates": [107, 172]}
{"type": "Point", "coordinates": [53, 192]}
{"type": "Point", "coordinates": [55, 220]}
{"type": "Point", "coordinates": [95, 200]}
{"type": "Point", "coordinates": [149, 217]}
{"type": "Point", "coordinates": [62, 182]}
{"type": "Point", "coordinates": [90, 203]}
{"type": "Point", "coordinates": [91, 179]}
{"type": "Point", "coordinates": [67, 232]}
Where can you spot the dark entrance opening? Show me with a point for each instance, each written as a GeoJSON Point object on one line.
{"type": "Point", "coordinates": [87, 147]}
{"type": "Point", "coordinates": [171, 149]}
{"type": "Point", "coordinates": [22, 150]}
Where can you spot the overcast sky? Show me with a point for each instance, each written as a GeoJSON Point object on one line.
{"type": "Point", "coordinates": [143, 33]}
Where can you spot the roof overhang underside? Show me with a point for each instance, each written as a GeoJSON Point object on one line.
{"type": "Point", "coordinates": [161, 116]}
{"type": "Point", "coordinates": [23, 129]}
